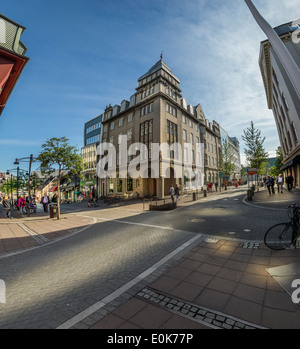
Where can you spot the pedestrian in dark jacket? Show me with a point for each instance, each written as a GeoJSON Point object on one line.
{"type": "Point", "coordinates": [270, 185]}
{"type": "Point", "coordinates": [7, 206]}
{"type": "Point", "coordinates": [289, 181]}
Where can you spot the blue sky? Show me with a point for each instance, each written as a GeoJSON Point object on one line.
{"type": "Point", "coordinates": [87, 54]}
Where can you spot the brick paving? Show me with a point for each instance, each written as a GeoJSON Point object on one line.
{"type": "Point", "coordinates": [217, 283]}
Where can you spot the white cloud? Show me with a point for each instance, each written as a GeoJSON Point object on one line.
{"type": "Point", "coordinates": [218, 61]}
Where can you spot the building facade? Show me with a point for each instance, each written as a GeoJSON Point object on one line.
{"type": "Point", "coordinates": [155, 114]}
{"type": "Point", "coordinates": [234, 147]}
{"type": "Point", "coordinates": [92, 137]}
{"type": "Point", "coordinates": [210, 137]}
{"type": "Point", "coordinates": [282, 97]}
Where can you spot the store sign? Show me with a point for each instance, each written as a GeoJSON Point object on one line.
{"type": "Point", "coordinates": [252, 171]}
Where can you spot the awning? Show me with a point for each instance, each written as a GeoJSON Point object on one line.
{"type": "Point", "coordinates": [53, 189]}
{"type": "Point", "coordinates": [6, 66]}
{"type": "Point", "coordinates": [291, 163]}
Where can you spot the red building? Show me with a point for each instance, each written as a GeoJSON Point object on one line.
{"type": "Point", "coordinates": [12, 57]}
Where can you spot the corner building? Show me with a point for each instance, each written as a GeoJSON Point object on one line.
{"type": "Point", "coordinates": [156, 113]}
{"type": "Point", "coordinates": [282, 97]}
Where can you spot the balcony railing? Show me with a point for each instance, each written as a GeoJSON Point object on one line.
{"type": "Point", "coordinates": [10, 33]}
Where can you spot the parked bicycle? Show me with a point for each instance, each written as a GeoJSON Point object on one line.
{"type": "Point", "coordinates": [284, 235]}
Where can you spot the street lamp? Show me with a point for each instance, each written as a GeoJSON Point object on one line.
{"type": "Point", "coordinates": [8, 172]}
{"type": "Point", "coordinates": [29, 159]}
{"type": "Point", "coordinates": [11, 192]}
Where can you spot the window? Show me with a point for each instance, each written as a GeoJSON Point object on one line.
{"type": "Point", "coordinates": [121, 122]}
{"type": "Point", "coordinates": [171, 110]}
{"type": "Point", "coordinates": [285, 103]}
{"type": "Point", "coordinates": [105, 128]}
{"type": "Point", "coordinates": [129, 134]}
{"type": "Point", "coordinates": [184, 119]}
{"type": "Point", "coordinates": [294, 132]}
{"type": "Point", "coordinates": [184, 135]}
{"type": "Point", "coordinates": [185, 154]}
{"type": "Point", "coordinates": [111, 139]}
{"type": "Point", "coordinates": [192, 138]}
{"type": "Point", "coordinates": [172, 136]}
{"type": "Point", "coordinates": [112, 126]}
{"type": "Point", "coordinates": [147, 109]}
{"type": "Point", "coordinates": [129, 184]}
{"type": "Point", "coordinates": [130, 117]}
{"type": "Point", "coordinates": [193, 156]}
{"type": "Point", "coordinates": [146, 136]}
{"type": "Point", "coordinates": [111, 186]}
{"type": "Point", "coordinates": [119, 186]}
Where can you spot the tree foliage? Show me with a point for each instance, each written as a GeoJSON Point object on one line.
{"type": "Point", "coordinates": [227, 165]}
{"type": "Point", "coordinates": [256, 156]}
{"type": "Point", "coordinates": [275, 170]}
{"type": "Point", "coordinates": [58, 155]}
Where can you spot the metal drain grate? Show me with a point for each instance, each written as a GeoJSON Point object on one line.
{"type": "Point", "coordinates": [251, 244]}
{"type": "Point", "coordinates": [210, 318]}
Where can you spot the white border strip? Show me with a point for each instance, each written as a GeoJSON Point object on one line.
{"type": "Point", "coordinates": [104, 301]}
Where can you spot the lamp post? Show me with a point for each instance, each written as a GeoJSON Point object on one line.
{"type": "Point", "coordinates": [11, 192]}
{"type": "Point", "coordinates": [29, 159]}
{"type": "Point", "coordinates": [8, 172]}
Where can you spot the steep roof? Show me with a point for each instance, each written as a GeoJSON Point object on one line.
{"type": "Point", "coordinates": [156, 67]}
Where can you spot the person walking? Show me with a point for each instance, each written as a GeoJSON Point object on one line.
{"type": "Point", "coordinates": [279, 182]}
{"type": "Point", "coordinates": [21, 204]}
{"type": "Point", "coordinates": [289, 181]}
{"type": "Point", "coordinates": [45, 201]}
{"type": "Point", "coordinates": [177, 194]}
{"type": "Point", "coordinates": [171, 192]}
{"type": "Point", "coordinates": [270, 185]}
{"type": "Point", "coordinates": [7, 206]}
{"type": "Point", "coordinates": [216, 185]}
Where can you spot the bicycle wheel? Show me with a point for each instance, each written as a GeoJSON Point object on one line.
{"type": "Point", "coordinates": [279, 236]}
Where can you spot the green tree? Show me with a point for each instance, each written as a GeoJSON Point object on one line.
{"type": "Point", "coordinates": [255, 153]}
{"type": "Point", "coordinates": [276, 168]}
{"type": "Point", "coordinates": [59, 155]}
{"type": "Point", "coordinates": [227, 165]}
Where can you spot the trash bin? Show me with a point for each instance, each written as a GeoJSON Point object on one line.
{"type": "Point", "coordinates": [194, 196]}
{"type": "Point", "coordinates": [53, 210]}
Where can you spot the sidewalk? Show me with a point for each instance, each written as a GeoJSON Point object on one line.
{"type": "Point", "coordinates": [22, 232]}
{"type": "Point", "coordinates": [219, 283]}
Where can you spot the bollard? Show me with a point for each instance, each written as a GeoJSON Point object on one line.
{"type": "Point", "coordinates": [205, 193]}
{"type": "Point", "coordinates": [249, 194]}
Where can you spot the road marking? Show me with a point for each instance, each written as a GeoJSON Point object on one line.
{"type": "Point", "coordinates": [134, 223]}
{"type": "Point", "coordinates": [11, 254]}
{"type": "Point", "coordinates": [104, 301]}
{"type": "Point", "coordinates": [41, 239]}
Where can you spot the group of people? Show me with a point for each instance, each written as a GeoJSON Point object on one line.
{"type": "Point", "coordinates": [174, 192]}
{"type": "Point", "coordinates": [21, 204]}
{"type": "Point", "coordinates": [270, 183]}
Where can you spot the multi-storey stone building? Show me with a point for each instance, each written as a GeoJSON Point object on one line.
{"type": "Point", "coordinates": [282, 97]}
{"type": "Point", "coordinates": [155, 114]}
{"type": "Point", "coordinates": [210, 137]}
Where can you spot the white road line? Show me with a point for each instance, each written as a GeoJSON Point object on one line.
{"type": "Point", "coordinates": [104, 301]}
{"type": "Point", "coordinates": [134, 223]}
{"type": "Point", "coordinates": [41, 239]}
